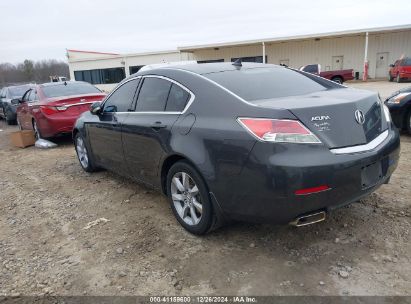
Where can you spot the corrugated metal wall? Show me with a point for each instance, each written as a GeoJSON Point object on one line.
{"type": "Point", "coordinates": [395, 44]}
{"type": "Point", "coordinates": [299, 53]}
{"type": "Point", "coordinates": [296, 53]}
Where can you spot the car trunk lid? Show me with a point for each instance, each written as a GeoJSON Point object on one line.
{"type": "Point", "coordinates": [331, 115]}
{"type": "Point", "coordinates": [73, 105]}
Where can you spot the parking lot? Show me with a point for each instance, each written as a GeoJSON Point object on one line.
{"type": "Point", "coordinates": [52, 241]}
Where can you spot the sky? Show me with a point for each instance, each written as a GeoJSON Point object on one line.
{"type": "Point", "coordinates": [44, 29]}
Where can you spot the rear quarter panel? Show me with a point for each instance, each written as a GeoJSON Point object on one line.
{"type": "Point", "coordinates": [216, 144]}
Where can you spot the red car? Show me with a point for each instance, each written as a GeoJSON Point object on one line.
{"type": "Point", "coordinates": [51, 109]}
{"type": "Point", "coordinates": [400, 70]}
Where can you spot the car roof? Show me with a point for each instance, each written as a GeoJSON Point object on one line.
{"type": "Point", "coordinates": [207, 68]}
{"type": "Point", "coordinates": [50, 84]}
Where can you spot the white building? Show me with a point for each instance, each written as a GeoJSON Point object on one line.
{"type": "Point", "coordinates": [337, 50]}
{"type": "Point", "coordinates": [105, 70]}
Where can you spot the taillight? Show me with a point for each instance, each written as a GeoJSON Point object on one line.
{"type": "Point", "coordinates": [312, 190]}
{"type": "Point", "coordinates": [50, 110]}
{"type": "Point", "coordinates": [278, 130]}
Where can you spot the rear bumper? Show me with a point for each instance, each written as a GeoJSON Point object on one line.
{"type": "Point", "coordinates": [265, 190]}
{"type": "Point", "coordinates": [50, 126]}
{"type": "Point", "coordinates": [405, 74]}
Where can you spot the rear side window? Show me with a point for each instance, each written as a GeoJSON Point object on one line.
{"type": "Point", "coordinates": [273, 82]}
{"type": "Point", "coordinates": [312, 68]}
{"type": "Point", "coordinates": [153, 95]}
{"type": "Point", "coordinates": [177, 99]}
{"type": "Point", "coordinates": [32, 96]}
{"type": "Point", "coordinates": [122, 97]}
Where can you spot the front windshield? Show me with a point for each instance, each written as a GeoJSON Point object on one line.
{"type": "Point", "coordinates": [18, 92]}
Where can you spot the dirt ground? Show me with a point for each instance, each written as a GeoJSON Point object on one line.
{"type": "Point", "coordinates": [46, 201]}
{"type": "Point", "coordinates": [385, 88]}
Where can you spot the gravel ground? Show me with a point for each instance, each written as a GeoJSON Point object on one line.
{"type": "Point", "coordinates": [385, 88]}
{"type": "Point", "coordinates": [47, 202]}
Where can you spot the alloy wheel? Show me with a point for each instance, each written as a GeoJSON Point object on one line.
{"type": "Point", "coordinates": [82, 152]}
{"type": "Point", "coordinates": [186, 198]}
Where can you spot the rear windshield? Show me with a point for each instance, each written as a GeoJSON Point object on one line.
{"type": "Point", "coordinates": [69, 89]}
{"type": "Point", "coordinates": [264, 83]}
{"type": "Point", "coordinates": [406, 62]}
{"type": "Point", "coordinates": [17, 92]}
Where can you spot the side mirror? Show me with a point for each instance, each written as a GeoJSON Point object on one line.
{"type": "Point", "coordinates": [16, 101]}
{"type": "Point", "coordinates": [391, 65]}
{"type": "Point", "coordinates": [95, 108]}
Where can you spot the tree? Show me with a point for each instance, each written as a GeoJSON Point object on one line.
{"type": "Point", "coordinates": [31, 71]}
{"type": "Point", "coordinates": [28, 69]}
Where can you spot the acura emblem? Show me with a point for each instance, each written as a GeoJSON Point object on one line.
{"type": "Point", "coordinates": [359, 117]}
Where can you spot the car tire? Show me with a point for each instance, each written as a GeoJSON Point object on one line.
{"type": "Point", "coordinates": [37, 132]}
{"type": "Point", "coordinates": [83, 155]}
{"type": "Point", "coordinates": [408, 122]}
{"type": "Point", "coordinates": [8, 119]}
{"type": "Point", "coordinates": [390, 78]}
{"type": "Point", "coordinates": [398, 78]}
{"type": "Point", "coordinates": [189, 198]}
{"type": "Point", "coordinates": [337, 79]}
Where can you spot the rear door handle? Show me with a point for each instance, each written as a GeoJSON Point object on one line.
{"type": "Point", "coordinates": [158, 125]}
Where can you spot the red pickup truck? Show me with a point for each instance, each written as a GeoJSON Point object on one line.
{"type": "Point", "coordinates": [400, 70]}
{"type": "Point", "coordinates": [339, 76]}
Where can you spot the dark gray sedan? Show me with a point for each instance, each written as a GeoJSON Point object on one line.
{"type": "Point", "coordinates": [253, 142]}
{"type": "Point", "coordinates": [7, 107]}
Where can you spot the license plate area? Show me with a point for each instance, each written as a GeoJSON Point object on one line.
{"type": "Point", "coordinates": [371, 175]}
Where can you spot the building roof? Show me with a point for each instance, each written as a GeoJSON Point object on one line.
{"type": "Point", "coordinates": [106, 56]}
{"type": "Point", "coordinates": [91, 52]}
{"type": "Point", "coordinates": [220, 67]}
{"type": "Point", "coordinates": [395, 28]}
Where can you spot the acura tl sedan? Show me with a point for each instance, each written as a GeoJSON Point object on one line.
{"type": "Point", "coordinates": [253, 142]}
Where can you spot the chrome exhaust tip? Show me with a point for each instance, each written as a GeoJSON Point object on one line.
{"type": "Point", "coordinates": [308, 219]}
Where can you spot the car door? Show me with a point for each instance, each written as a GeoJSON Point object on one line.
{"type": "Point", "coordinates": [105, 132]}
{"type": "Point", "coordinates": [23, 115]}
{"type": "Point", "coordinates": [3, 96]}
{"type": "Point", "coordinates": [147, 130]}
{"type": "Point", "coordinates": [397, 67]}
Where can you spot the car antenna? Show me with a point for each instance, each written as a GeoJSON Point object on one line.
{"type": "Point", "coordinates": [238, 63]}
